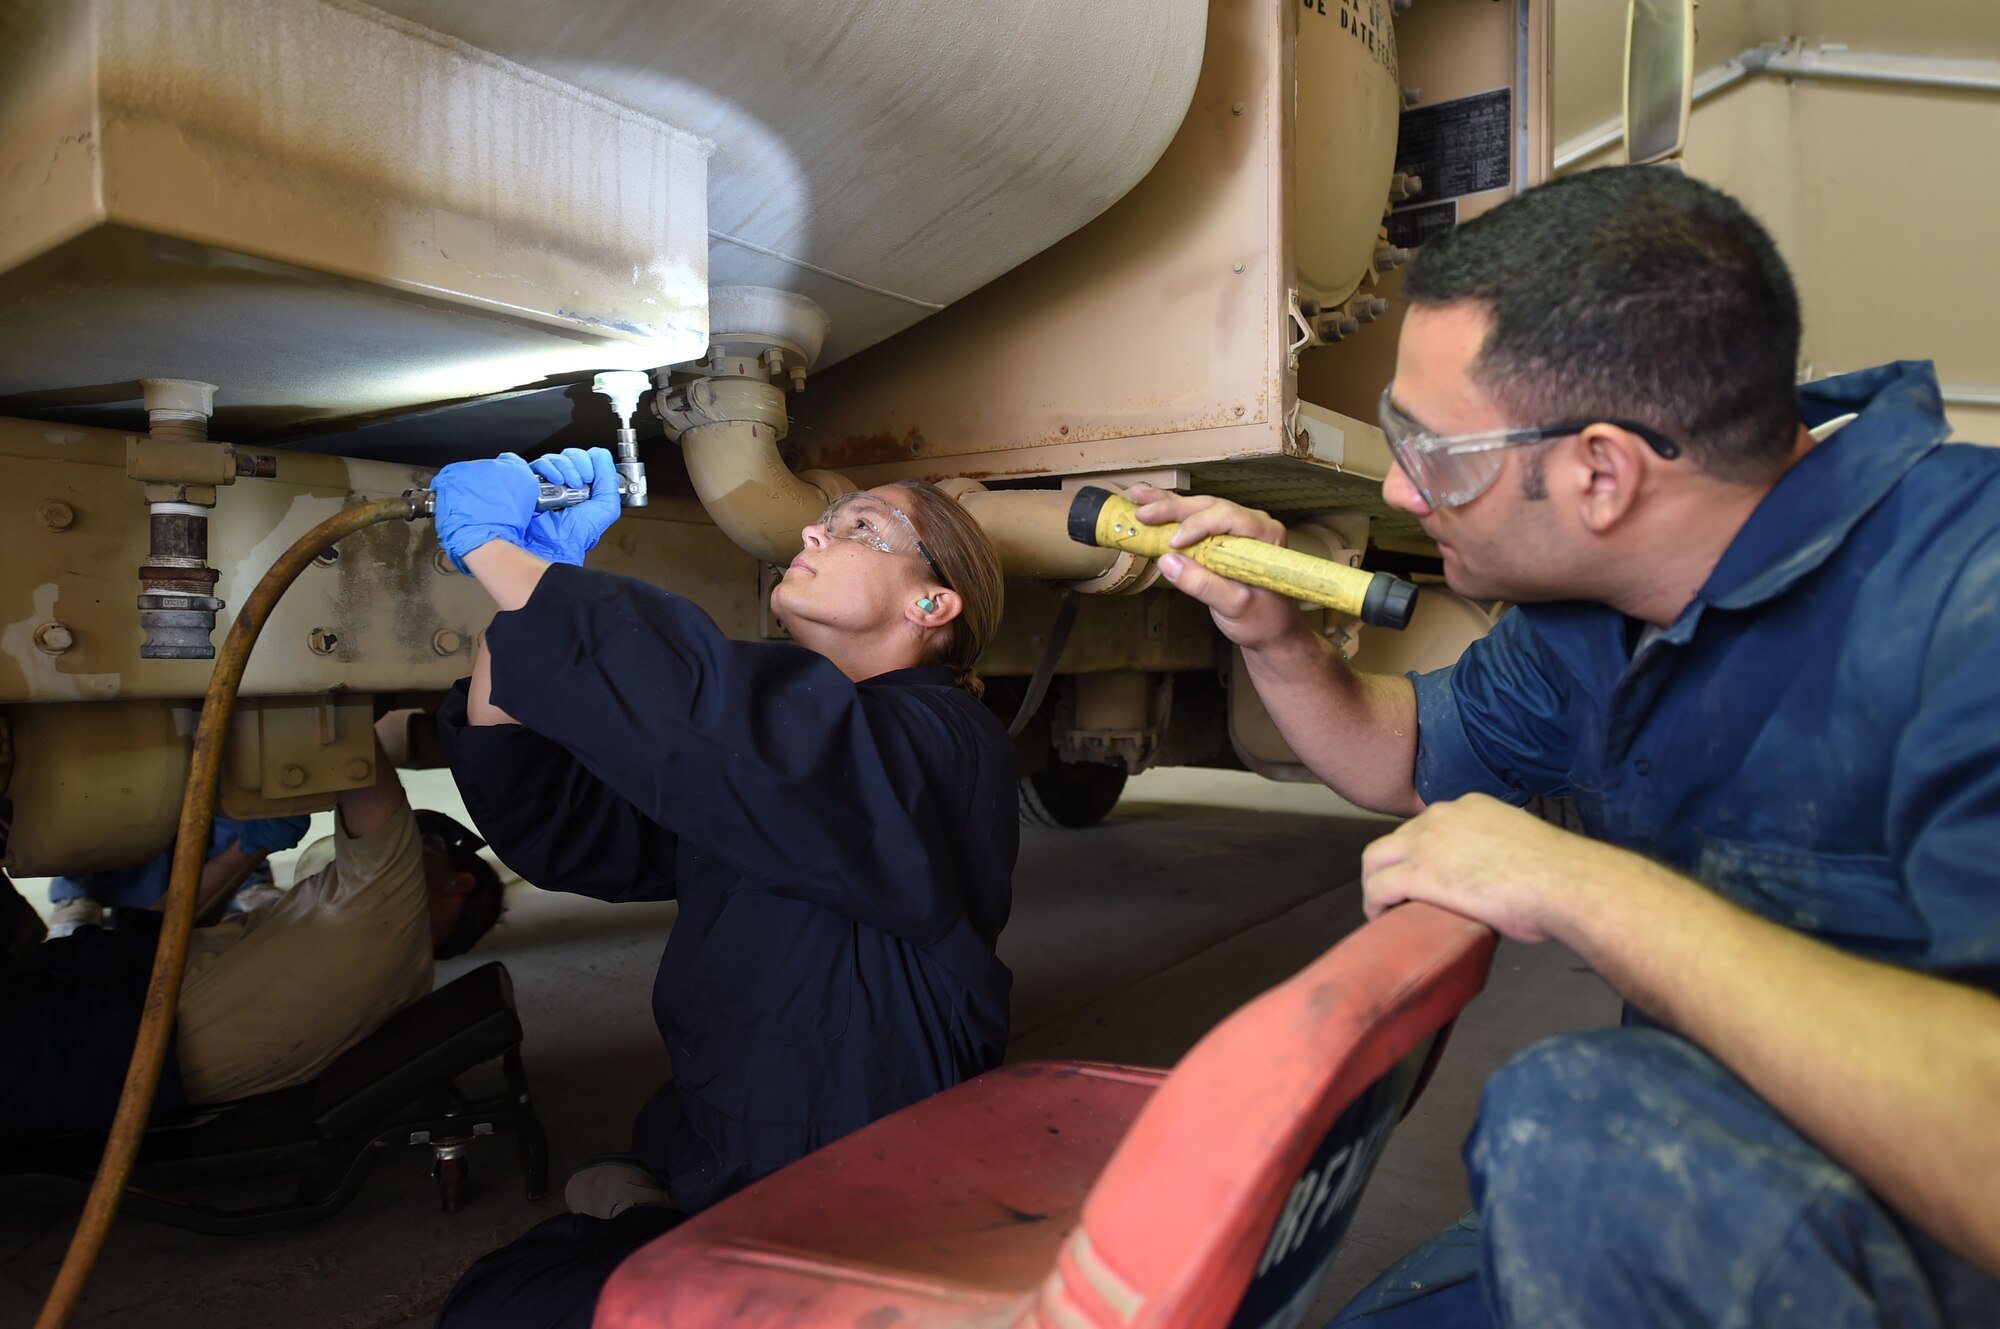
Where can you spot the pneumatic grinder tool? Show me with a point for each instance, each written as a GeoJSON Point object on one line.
{"type": "Point", "coordinates": [624, 387]}
{"type": "Point", "coordinates": [1111, 521]}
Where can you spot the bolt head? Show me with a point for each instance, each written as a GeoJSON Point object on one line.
{"type": "Point", "coordinates": [291, 777]}
{"type": "Point", "coordinates": [447, 642]}
{"type": "Point", "coordinates": [359, 768]}
{"type": "Point", "coordinates": [54, 638]}
{"type": "Point", "coordinates": [56, 516]}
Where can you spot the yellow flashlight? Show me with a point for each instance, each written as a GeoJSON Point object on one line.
{"type": "Point", "coordinates": [1100, 517]}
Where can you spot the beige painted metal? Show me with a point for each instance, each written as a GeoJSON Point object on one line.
{"type": "Point", "coordinates": [1161, 335]}
{"type": "Point", "coordinates": [384, 599]}
{"type": "Point", "coordinates": [1154, 336]}
{"type": "Point", "coordinates": [884, 157]}
{"type": "Point", "coordinates": [1866, 187]}
{"type": "Point", "coordinates": [333, 211]}
{"type": "Point", "coordinates": [1343, 137]}
{"type": "Point", "coordinates": [1448, 51]}
{"type": "Point", "coordinates": [1160, 630]}
{"type": "Point", "coordinates": [1587, 82]}
{"type": "Point", "coordinates": [73, 534]}
{"type": "Point", "coordinates": [293, 755]}
{"type": "Point", "coordinates": [1119, 715]}
{"type": "Point", "coordinates": [95, 784]}
{"type": "Point", "coordinates": [729, 429]}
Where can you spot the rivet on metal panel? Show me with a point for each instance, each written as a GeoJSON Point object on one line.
{"type": "Point", "coordinates": [321, 641]}
{"type": "Point", "coordinates": [54, 638]}
{"type": "Point", "coordinates": [358, 768]}
{"type": "Point", "coordinates": [1239, 410]}
{"type": "Point", "coordinates": [917, 445]}
{"type": "Point", "coordinates": [446, 642]}
{"type": "Point", "coordinates": [1237, 109]}
{"type": "Point", "coordinates": [57, 516]}
{"type": "Point", "coordinates": [292, 776]}
{"type": "Point", "coordinates": [1236, 268]}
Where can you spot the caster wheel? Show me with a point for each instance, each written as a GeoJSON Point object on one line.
{"type": "Point", "coordinates": [451, 1174]}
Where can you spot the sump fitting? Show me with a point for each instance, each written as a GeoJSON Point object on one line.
{"type": "Point", "coordinates": [177, 600]}
{"type": "Point", "coordinates": [728, 412]}
{"type": "Point", "coordinates": [729, 431]}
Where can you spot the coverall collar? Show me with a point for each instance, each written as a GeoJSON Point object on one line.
{"type": "Point", "coordinates": [1809, 512]}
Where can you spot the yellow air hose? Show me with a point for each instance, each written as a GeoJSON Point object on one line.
{"type": "Point", "coordinates": [156, 1025]}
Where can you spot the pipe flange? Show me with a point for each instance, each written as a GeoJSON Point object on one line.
{"type": "Point", "coordinates": [1129, 574]}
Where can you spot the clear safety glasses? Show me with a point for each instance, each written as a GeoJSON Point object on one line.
{"type": "Point", "coordinates": [1453, 469]}
{"type": "Point", "coordinates": [867, 520]}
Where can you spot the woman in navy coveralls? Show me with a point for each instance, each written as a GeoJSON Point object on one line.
{"type": "Point", "coordinates": [836, 818]}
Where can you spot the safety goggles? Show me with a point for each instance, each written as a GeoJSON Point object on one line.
{"type": "Point", "coordinates": [868, 520]}
{"type": "Point", "coordinates": [1453, 469]}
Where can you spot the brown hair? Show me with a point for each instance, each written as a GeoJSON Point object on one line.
{"type": "Point", "coordinates": [966, 557]}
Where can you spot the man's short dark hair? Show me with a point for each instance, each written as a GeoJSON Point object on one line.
{"type": "Point", "coordinates": [1636, 292]}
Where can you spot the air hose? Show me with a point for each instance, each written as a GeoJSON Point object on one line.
{"type": "Point", "coordinates": [156, 1024]}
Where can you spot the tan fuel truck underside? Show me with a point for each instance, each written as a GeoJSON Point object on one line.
{"type": "Point", "coordinates": [1054, 243]}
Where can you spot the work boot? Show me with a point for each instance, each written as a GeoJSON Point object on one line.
{"type": "Point", "coordinates": [69, 915]}
{"type": "Point", "coordinates": [603, 1187]}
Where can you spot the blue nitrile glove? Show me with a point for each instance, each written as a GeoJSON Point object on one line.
{"type": "Point", "coordinates": [266, 835]}
{"type": "Point", "coordinates": [481, 501]}
{"type": "Point", "coordinates": [567, 534]}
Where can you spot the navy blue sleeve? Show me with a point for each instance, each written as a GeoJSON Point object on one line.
{"type": "Point", "coordinates": [1496, 722]}
{"type": "Point", "coordinates": [764, 755]}
{"type": "Point", "coordinates": [548, 818]}
{"type": "Point", "coordinates": [1944, 784]}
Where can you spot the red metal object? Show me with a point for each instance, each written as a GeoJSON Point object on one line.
{"type": "Point", "coordinates": [1064, 1195]}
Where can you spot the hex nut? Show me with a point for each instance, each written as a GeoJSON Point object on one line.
{"type": "Point", "coordinates": [447, 642]}
{"type": "Point", "coordinates": [56, 515]}
{"type": "Point", "coordinates": [53, 638]}
{"type": "Point", "coordinates": [321, 641]}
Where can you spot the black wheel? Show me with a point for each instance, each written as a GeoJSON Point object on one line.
{"type": "Point", "coordinates": [451, 1173]}
{"type": "Point", "coordinates": [1071, 794]}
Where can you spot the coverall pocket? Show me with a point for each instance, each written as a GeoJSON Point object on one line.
{"type": "Point", "coordinates": [1832, 895]}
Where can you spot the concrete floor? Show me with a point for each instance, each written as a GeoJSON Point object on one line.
{"type": "Point", "coordinates": [1128, 941]}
